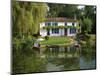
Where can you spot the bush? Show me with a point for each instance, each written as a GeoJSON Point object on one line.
{"type": "Point", "coordinates": [17, 44]}
{"type": "Point", "coordinates": [46, 37]}
{"type": "Point", "coordinates": [23, 45]}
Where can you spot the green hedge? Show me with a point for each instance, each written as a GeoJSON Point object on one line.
{"type": "Point", "coordinates": [61, 27]}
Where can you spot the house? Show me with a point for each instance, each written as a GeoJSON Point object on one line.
{"type": "Point", "coordinates": [59, 27]}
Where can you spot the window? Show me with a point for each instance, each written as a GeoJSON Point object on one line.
{"type": "Point", "coordinates": [73, 24]}
{"type": "Point", "coordinates": [54, 24]}
{"type": "Point", "coordinates": [55, 31]}
{"type": "Point", "coordinates": [65, 23]}
{"type": "Point", "coordinates": [72, 30]}
{"type": "Point", "coordinates": [47, 24]}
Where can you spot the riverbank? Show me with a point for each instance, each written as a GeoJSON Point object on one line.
{"type": "Point", "coordinates": [91, 40]}
{"type": "Point", "coordinates": [57, 41]}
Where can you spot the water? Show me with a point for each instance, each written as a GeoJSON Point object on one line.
{"type": "Point", "coordinates": [55, 59]}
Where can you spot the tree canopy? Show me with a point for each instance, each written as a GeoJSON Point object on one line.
{"type": "Point", "coordinates": [87, 25]}
{"type": "Point", "coordinates": [61, 10]}
{"type": "Point", "coordinates": [87, 17]}
{"type": "Point", "coordinates": [27, 16]}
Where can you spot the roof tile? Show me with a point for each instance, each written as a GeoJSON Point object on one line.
{"type": "Point", "coordinates": [59, 20]}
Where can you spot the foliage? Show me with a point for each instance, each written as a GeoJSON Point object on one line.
{"type": "Point", "coordinates": [88, 12]}
{"type": "Point", "coordinates": [61, 27]}
{"type": "Point", "coordinates": [28, 44]}
{"type": "Point", "coordinates": [89, 40]}
{"type": "Point", "coordinates": [86, 26]}
{"type": "Point", "coordinates": [23, 44]}
{"type": "Point", "coordinates": [23, 63]}
{"type": "Point", "coordinates": [27, 16]}
{"type": "Point", "coordinates": [61, 10]}
{"type": "Point", "coordinates": [16, 43]}
{"type": "Point", "coordinates": [46, 37]}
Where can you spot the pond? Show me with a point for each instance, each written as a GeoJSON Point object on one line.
{"type": "Point", "coordinates": [55, 59]}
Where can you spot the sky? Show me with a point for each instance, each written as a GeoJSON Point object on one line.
{"type": "Point", "coordinates": [80, 6]}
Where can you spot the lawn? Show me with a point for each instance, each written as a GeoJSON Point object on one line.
{"type": "Point", "coordinates": [59, 40]}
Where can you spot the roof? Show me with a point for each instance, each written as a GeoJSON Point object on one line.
{"type": "Point", "coordinates": [60, 20]}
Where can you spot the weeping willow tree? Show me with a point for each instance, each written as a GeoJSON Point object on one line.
{"type": "Point", "coordinates": [27, 16]}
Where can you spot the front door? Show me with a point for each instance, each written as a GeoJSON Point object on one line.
{"type": "Point", "coordinates": [65, 31]}
{"type": "Point", "coordinates": [48, 32]}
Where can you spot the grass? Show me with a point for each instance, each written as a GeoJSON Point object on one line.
{"type": "Point", "coordinates": [59, 40]}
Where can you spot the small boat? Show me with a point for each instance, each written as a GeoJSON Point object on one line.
{"type": "Point", "coordinates": [36, 47]}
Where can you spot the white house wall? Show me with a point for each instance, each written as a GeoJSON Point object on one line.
{"type": "Point", "coordinates": [61, 23]}
{"type": "Point", "coordinates": [70, 23]}
{"type": "Point", "coordinates": [61, 33]}
{"type": "Point", "coordinates": [42, 25]}
{"type": "Point", "coordinates": [75, 24]}
{"type": "Point", "coordinates": [43, 32]}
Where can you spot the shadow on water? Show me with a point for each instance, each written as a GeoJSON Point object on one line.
{"type": "Point", "coordinates": [54, 59]}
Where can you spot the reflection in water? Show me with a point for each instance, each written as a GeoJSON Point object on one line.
{"type": "Point", "coordinates": [54, 59]}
